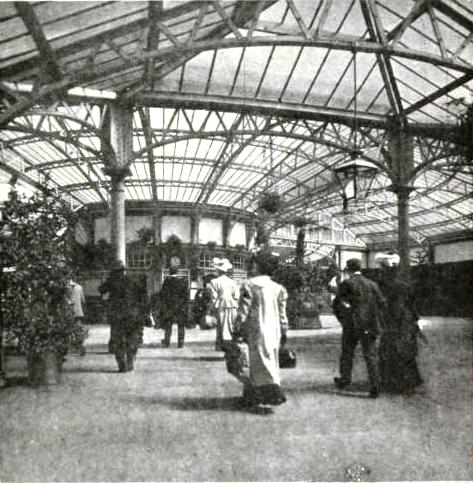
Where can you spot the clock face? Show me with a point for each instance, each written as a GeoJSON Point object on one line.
{"type": "Point", "coordinates": [175, 262]}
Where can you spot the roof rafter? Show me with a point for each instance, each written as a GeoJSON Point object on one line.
{"type": "Point", "coordinates": [155, 11]}
{"type": "Point", "coordinates": [85, 45]}
{"type": "Point", "coordinates": [417, 10]}
{"type": "Point", "coordinates": [439, 93]}
{"type": "Point", "coordinates": [48, 59]}
{"type": "Point", "coordinates": [227, 19]}
{"type": "Point", "coordinates": [453, 14]}
{"type": "Point", "coordinates": [148, 135]}
{"type": "Point", "coordinates": [377, 33]}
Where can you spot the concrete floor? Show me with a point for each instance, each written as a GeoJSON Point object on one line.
{"type": "Point", "coordinates": [175, 417]}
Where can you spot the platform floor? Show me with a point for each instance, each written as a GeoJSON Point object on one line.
{"type": "Point", "coordinates": [176, 419]}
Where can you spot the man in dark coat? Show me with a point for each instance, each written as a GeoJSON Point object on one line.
{"type": "Point", "coordinates": [125, 315]}
{"type": "Point", "coordinates": [366, 304]}
{"type": "Point", "coordinates": [173, 298]}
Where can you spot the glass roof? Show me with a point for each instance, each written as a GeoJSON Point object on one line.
{"type": "Point", "coordinates": [231, 99]}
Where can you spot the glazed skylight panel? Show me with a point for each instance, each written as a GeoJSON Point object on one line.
{"type": "Point", "coordinates": [277, 72]}
{"type": "Point", "coordinates": [16, 41]}
{"type": "Point", "coordinates": [89, 23]}
{"type": "Point", "coordinates": [252, 70]}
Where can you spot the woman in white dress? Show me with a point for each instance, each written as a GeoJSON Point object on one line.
{"type": "Point", "coordinates": [263, 324]}
{"type": "Point", "coordinates": [225, 295]}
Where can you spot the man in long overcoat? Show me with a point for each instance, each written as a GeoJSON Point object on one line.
{"type": "Point", "coordinates": [125, 314]}
{"type": "Point", "coordinates": [366, 306]}
{"type": "Point", "coordinates": [173, 306]}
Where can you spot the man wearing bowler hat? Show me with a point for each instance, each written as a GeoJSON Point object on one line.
{"type": "Point", "coordinates": [365, 305]}
{"type": "Point", "coordinates": [125, 315]}
{"type": "Point", "coordinates": [174, 298]}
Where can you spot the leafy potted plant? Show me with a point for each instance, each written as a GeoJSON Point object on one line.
{"type": "Point", "coordinates": [270, 202]}
{"type": "Point", "coordinates": [35, 303]}
{"type": "Point", "coordinates": [145, 235]}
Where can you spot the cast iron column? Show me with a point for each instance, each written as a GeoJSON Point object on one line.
{"type": "Point", "coordinates": [195, 226]}
{"type": "Point", "coordinates": [117, 215]}
{"type": "Point", "coordinates": [402, 193]}
{"type": "Point", "coordinates": [121, 140]}
{"type": "Point", "coordinates": [401, 153]}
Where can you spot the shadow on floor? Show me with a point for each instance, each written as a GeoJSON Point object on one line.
{"type": "Point", "coordinates": [183, 358]}
{"type": "Point", "coordinates": [16, 381]}
{"type": "Point", "coordinates": [205, 403]}
{"type": "Point", "coordinates": [189, 403]}
{"type": "Point", "coordinates": [86, 370]}
{"type": "Point", "coordinates": [358, 390]}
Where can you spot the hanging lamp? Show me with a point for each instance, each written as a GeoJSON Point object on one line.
{"type": "Point", "coordinates": [349, 171]}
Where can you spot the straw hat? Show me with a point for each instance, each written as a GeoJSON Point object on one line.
{"type": "Point", "coordinates": [222, 264]}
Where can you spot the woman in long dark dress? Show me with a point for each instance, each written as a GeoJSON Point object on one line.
{"type": "Point", "coordinates": [398, 345]}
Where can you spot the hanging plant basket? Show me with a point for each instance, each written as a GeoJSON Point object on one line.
{"type": "Point", "coordinates": [270, 202]}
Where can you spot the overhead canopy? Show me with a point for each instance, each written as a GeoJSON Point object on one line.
{"type": "Point", "coordinates": [231, 99]}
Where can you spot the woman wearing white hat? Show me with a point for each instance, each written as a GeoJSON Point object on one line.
{"type": "Point", "coordinates": [225, 294]}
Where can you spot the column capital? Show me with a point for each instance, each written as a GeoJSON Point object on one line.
{"type": "Point", "coordinates": [401, 189]}
{"type": "Point", "coordinates": [117, 173]}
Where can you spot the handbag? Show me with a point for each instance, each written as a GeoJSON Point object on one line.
{"type": "Point", "coordinates": [287, 358]}
{"type": "Point", "coordinates": [237, 359]}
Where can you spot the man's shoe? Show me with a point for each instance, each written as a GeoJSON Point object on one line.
{"type": "Point", "coordinates": [374, 393]}
{"type": "Point", "coordinates": [260, 410]}
{"type": "Point", "coordinates": [340, 383]}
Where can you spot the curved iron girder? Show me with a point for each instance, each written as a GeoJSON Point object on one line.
{"type": "Point", "coordinates": [286, 110]}
{"type": "Point", "coordinates": [330, 42]}
{"type": "Point", "coordinates": [54, 135]}
{"type": "Point", "coordinates": [68, 117]}
{"type": "Point", "coordinates": [347, 148]}
{"type": "Point", "coordinates": [335, 42]}
{"type": "Point", "coordinates": [147, 182]}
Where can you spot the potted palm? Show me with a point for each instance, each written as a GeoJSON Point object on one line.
{"type": "Point", "coordinates": [35, 303]}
